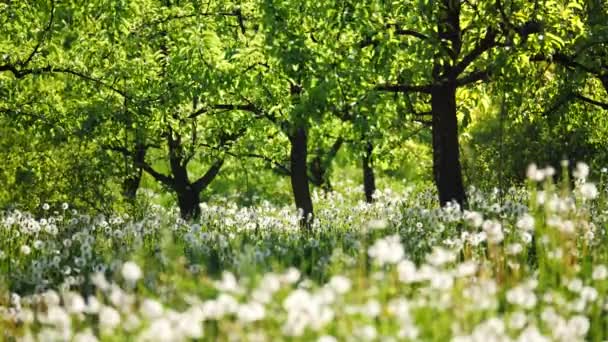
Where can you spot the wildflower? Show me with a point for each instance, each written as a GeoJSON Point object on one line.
{"type": "Point", "coordinates": [340, 284]}
{"type": "Point", "coordinates": [291, 276]}
{"type": "Point", "coordinates": [579, 325]}
{"type": "Point", "coordinates": [531, 334]}
{"type": "Point", "coordinates": [387, 251]}
{"type": "Point", "coordinates": [38, 244]}
{"type": "Point", "coordinates": [466, 269]}
{"type": "Point", "coordinates": [522, 296]}
{"type": "Point", "coordinates": [228, 283]}
{"type": "Point", "coordinates": [525, 223]}
{"type": "Point", "coordinates": [407, 271]}
{"type": "Point", "coordinates": [441, 256]}
{"type": "Point", "coordinates": [367, 333]}
{"type": "Point", "coordinates": [493, 230]}
{"type": "Point", "coordinates": [159, 330]}
{"type": "Point", "coordinates": [582, 171]}
{"type": "Point", "coordinates": [474, 218]}
{"type": "Point", "coordinates": [74, 303]}
{"type": "Point", "coordinates": [46, 207]}
{"type": "Point", "coordinates": [588, 191]}
{"type": "Point", "coordinates": [109, 318]}
{"type": "Point", "coordinates": [535, 174]}
{"type": "Point", "coordinates": [600, 272]}
{"type": "Point", "coordinates": [377, 224]}
{"type": "Point", "coordinates": [514, 249]}
{"type": "Point", "coordinates": [251, 312]}
{"type": "Point", "coordinates": [25, 249]}
{"type": "Point", "coordinates": [151, 308]}
{"type": "Point", "coordinates": [517, 320]}
{"type": "Point", "coordinates": [131, 272]}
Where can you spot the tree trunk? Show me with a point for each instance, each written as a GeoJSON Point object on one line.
{"type": "Point", "coordinates": [299, 177]}
{"type": "Point", "coordinates": [604, 80]}
{"type": "Point", "coordinates": [132, 181]}
{"type": "Point", "coordinates": [318, 173]}
{"type": "Point", "coordinates": [369, 180]}
{"type": "Point", "coordinates": [189, 202]}
{"type": "Point", "coordinates": [446, 149]}
{"type": "Point", "coordinates": [320, 165]}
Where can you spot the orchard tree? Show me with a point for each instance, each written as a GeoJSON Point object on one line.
{"type": "Point", "coordinates": [433, 49]}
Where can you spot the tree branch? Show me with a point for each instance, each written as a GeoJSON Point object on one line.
{"type": "Point", "coordinates": [370, 41]}
{"type": "Point", "coordinates": [404, 88]}
{"type": "Point", "coordinates": [583, 98]}
{"type": "Point", "coordinates": [202, 183]}
{"type": "Point", "coordinates": [475, 76]}
{"type": "Point", "coordinates": [42, 36]}
{"type": "Point", "coordinates": [485, 44]}
{"type": "Point", "coordinates": [245, 107]}
{"type": "Point", "coordinates": [21, 73]}
{"type": "Point", "coordinates": [168, 181]}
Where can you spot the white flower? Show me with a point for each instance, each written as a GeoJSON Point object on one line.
{"type": "Point", "coordinates": [441, 256]}
{"type": "Point", "coordinates": [131, 272]}
{"type": "Point", "coordinates": [522, 296]}
{"type": "Point", "coordinates": [518, 320]}
{"type": "Point", "coordinates": [25, 249]}
{"type": "Point", "coordinates": [579, 325]}
{"type": "Point", "coordinates": [466, 269]}
{"type": "Point", "coordinates": [493, 231]}
{"type": "Point", "coordinates": [514, 249]}
{"type": "Point", "coordinates": [251, 312]}
{"type": "Point", "coordinates": [64, 206]}
{"type": "Point", "coordinates": [151, 308]}
{"type": "Point", "coordinates": [340, 284]}
{"type": "Point", "coordinates": [582, 171]}
{"type": "Point", "coordinates": [159, 330]}
{"type": "Point", "coordinates": [367, 333]}
{"type": "Point", "coordinates": [600, 272]}
{"type": "Point", "coordinates": [109, 318]}
{"type": "Point", "coordinates": [387, 251]}
{"type": "Point", "coordinates": [535, 174]}
{"type": "Point", "coordinates": [588, 191]}
{"type": "Point", "coordinates": [407, 271]}
{"type": "Point", "coordinates": [46, 206]}
{"type": "Point", "coordinates": [474, 218]}
{"type": "Point", "coordinates": [291, 276]}
{"type": "Point", "coordinates": [85, 336]}
{"type": "Point", "coordinates": [531, 334]}
{"type": "Point", "coordinates": [74, 302]}
{"type": "Point", "coordinates": [327, 338]}
{"type": "Point", "coordinates": [377, 224]}
{"type": "Point", "coordinates": [525, 223]}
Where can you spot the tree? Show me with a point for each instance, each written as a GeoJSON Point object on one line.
{"type": "Point", "coordinates": [453, 45]}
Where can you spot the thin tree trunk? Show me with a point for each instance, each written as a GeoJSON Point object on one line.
{"type": "Point", "coordinates": [131, 183]}
{"type": "Point", "coordinates": [320, 165]}
{"type": "Point", "coordinates": [369, 179]}
{"type": "Point", "coordinates": [299, 177]}
{"type": "Point", "coordinates": [447, 170]}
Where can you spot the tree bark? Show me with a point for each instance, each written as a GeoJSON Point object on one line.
{"type": "Point", "coordinates": [320, 165]}
{"type": "Point", "coordinates": [189, 202]}
{"type": "Point", "coordinates": [132, 181]}
{"type": "Point", "coordinates": [447, 170]}
{"type": "Point", "coordinates": [299, 176]}
{"type": "Point", "coordinates": [369, 179]}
